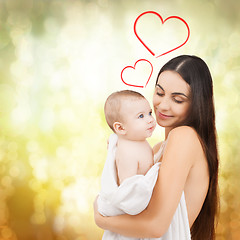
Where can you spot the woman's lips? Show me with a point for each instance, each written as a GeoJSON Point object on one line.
{"type": "Point", "coordinates": [164, 116]}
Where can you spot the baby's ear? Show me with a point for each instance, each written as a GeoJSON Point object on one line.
{"type": "Point", "coordinates": [119, 128]}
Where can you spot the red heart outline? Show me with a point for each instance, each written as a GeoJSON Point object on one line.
{"type": "Point", "coordinates": [134, 69]}
{"type": "Point", "coordinates": [163, 21]}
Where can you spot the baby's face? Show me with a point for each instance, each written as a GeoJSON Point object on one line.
{"type": "Point", "coordinates": [137, 119]}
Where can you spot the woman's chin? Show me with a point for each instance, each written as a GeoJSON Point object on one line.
{"type": "Point", "coordinates": [164, 124]}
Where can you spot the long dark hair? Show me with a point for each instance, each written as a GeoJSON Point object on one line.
{"type": "Point", "coordinates": [201, 117]}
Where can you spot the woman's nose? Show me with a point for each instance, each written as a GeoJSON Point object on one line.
{"type": "Point", "coordinates": [164, 104]}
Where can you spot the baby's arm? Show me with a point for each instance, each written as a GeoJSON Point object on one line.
{"type": "Point", "coordinates": [127, 162]}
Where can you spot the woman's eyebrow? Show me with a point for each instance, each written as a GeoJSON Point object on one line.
{"type": "Point", "coordinates": [160, 86]}
{"type": "Point", "coordinates": [178, 93]}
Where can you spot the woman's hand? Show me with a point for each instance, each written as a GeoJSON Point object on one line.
{"type": "Point", "coordinates": [116, 222]}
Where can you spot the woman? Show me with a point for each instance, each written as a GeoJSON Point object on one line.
{"type": "Point", "coordinates": [183, 104]}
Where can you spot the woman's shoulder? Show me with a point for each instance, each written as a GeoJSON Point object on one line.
{"type": "Point", "coordinates": [183, 132]}
{"type": "Point", "coordinates": [185, 136]}
{"type": "Point", "coordinates": [183, 147]}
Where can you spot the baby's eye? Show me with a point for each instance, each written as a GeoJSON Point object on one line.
{"type": "Point", "coordinates": [150, 113]}
{"type": "Point", "coordinates": [141, 116]}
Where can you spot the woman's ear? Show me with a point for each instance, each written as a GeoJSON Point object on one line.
{"type": "Point", "coordinates": [119, 128]}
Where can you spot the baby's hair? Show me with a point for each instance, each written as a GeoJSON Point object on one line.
{"type": "Point", "coordinates": [112, 105]}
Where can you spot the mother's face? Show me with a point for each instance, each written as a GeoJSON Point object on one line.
{"type": "Point", "coordinates": [171, 99]}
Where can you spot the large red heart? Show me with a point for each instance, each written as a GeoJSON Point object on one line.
{"type": "Point", "coordinates": [162, 21]}
{"type": "Point", "coordinates": [134, 68]}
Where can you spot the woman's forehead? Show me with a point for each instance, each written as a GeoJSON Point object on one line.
{"type": "Point", "coordinates": [172, 82]}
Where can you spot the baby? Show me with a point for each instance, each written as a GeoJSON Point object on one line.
{"type": "Point", "coordinates": [129, 115]}
{"type": "Point", "coordinates": [129, 173]}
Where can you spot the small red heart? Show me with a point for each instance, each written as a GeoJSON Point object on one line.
{"type": "Point", "coordinates": [131, 67]}
{"type": "Point", "coordinates": [163, 21]}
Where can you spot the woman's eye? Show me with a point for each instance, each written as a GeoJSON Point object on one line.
{"type": "Point", "coordinates": [160, 94]}
{"type": "Point", "coordinates": [177, 101]}
{"type": "Point", "coordinates": [141, 116]}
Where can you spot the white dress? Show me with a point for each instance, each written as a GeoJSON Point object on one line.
{"type": "Point", "coordinates": [133, 196]}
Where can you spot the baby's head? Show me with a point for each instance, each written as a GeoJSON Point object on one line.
{"type": "Point", "coordinates": [129, 115]}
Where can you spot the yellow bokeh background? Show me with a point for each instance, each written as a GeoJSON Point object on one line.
{"type": "Point", "coordinates": [59, 61]}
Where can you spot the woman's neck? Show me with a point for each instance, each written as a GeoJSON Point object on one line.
{"type": "Point", "coordinates": [167, 130]}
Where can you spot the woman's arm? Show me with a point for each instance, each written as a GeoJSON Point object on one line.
{"type": "Point", "coordinates": [178, 158]}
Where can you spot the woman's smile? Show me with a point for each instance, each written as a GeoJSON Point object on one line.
{"type": "Point", "coordinates": [163, 116]}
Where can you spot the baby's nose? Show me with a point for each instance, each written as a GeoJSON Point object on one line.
{"type": "Point", "coordinates": [150, 119]}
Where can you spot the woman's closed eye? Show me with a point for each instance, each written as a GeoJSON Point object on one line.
{"type": "Point", "coordinates": [178, 99]}
{"type": "Point", "coordinates": [160, 94]}
{"type": "Point", "coordinates": [175, 98]}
